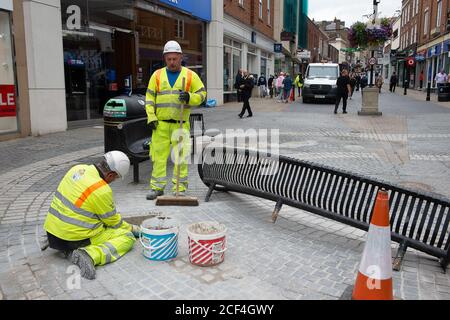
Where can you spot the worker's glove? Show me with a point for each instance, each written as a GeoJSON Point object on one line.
{"type": "Point", "coordinates": [136, 230]}
{"type": "Point", "coordinates": [153, 125]}
{"type": "Point", "coordinates": [184, 97]}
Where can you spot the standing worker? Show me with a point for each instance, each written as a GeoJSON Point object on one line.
{"type": "Point", "coordinates": [343, 91]}
{"type": "Point", "coordinates": [165, 95]}
{"type": "Point", "coordinates": [299, 84]}
{"type": "Point", "coordinates": [82, 221]}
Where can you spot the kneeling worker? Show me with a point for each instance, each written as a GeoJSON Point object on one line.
{"type": "Point", "coordinates": [82, 221]}
{"type": "Point", "coordinates": [165, 95]}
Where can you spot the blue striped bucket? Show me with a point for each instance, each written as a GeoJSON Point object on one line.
{"type": "Point", "coordinates": [159, 245]}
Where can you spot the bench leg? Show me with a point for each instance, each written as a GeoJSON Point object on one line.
{"type": "Point", "coordinates": [210, 191]}
{"type": "Point", "coordinates": [276, 211]}
{"type": "Point", "coordinates": [397, 264]}
{"type": "Point", "coordinates": [444, 262]}
{"type": "Point", "coordinates": [136, 171]}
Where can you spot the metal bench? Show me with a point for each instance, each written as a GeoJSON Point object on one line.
{"type": "Point", "coordinates": [418, 220]}
{"type": "Point", "coordinates": [136, 137]}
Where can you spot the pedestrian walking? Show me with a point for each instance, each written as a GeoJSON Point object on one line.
{"type": "Point", "coordinates": [280, 90]}
{"type": "Point", "coordinates": [358, 81]}
{"type": "Point", "coordinates": [352, 84]}
{"type": "Point", "coordinates": [246, 86]}
{"type": "Point", "coordinates": [379, 82]}
{"type": "Point", "coordinates": [270, 84]}
{"type": "Point", "coordinates": [168, 89]}
{"type": "Point", "coordinates": [393, 82]}
{"type": "Point", "coordinates": [441, 78]}
{"type": "Point", "coordinates": [421, 79]}
{"type": "Point", "coordinates": [299, 84]}
{"type": "Point", "coordinates": [364, 82]}
{"type": "Point", "coordinates": [287, 87]}
{"type": "Point", "coordinates": [82, 221]}
{"type": "Point", "coordinates": [262, 84]}
{"type": "Point", "coordinates": [343, 91]}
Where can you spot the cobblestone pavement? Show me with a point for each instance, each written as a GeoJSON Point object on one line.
{"type": "Point", "coordinates": [302, 256]}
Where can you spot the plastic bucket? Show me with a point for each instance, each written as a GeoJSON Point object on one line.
{"type": "Point", "coordinates": [161, 243]}
{"type": "Point", "coordinates": [207, 243]}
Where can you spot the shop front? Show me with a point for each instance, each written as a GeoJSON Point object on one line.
{"type": "Point", "coordinates": [112, 47]}
{"type": "Point", "coordinates": [244, 48]}
{"type": "Point", "coordinates": [8, 83]}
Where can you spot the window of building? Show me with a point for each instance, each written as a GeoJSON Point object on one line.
{"type": "Point", "coordinates": [417, 7]}
{"type": "Point", "coordinates": [179, 29]}
{"type": "Point", "coordinates": [241, 3]}
{"type": "Point", "coordinates": [269, 14]}
{"type": "Point", "coordinates": [426, 22]}
{"type": "Point", "coordinates": [232, 54]}
{"type": "Point", "coordinates": [8, 102]}
{"type": "Point", "coordinates": [439, 13]}
{"type": "Point", "coordinates": [260, 9]}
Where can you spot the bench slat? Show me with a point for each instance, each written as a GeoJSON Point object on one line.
{"type": "Point", "coordinates": [445, 230]}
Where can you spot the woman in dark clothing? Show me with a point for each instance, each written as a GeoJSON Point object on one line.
{"type": "Point", "coordinates": [246, 86]}
{"type": "Point", "coordinates": [352, 84]}
{"type": "Point", "coordinates": [237, 83]}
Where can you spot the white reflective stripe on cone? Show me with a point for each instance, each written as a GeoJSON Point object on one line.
{"type": "Point", "coordinates": [376, 262]}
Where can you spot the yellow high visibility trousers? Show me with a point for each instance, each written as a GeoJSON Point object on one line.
{"type": "Point", "coordinates": [110, 245]}
{"type": "Point", "coordinates": [166, 135]}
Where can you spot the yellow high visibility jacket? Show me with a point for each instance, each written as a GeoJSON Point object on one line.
{"type": "Point", "coordinates": [162, 100]}
{"type": "Point", "coordinates": [83, 206]}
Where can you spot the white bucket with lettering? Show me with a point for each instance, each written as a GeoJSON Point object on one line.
{"type": "Point", "coordinates": [159, 238]}
{"type": "Point", "coordinates": [207, 243]}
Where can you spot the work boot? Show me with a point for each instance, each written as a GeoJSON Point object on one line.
{"type": "Point", "coordinates": [153, 194]}
{"type": "Point", "coordinates": [181, 193]}
{"type": "Point", "coordinates": [84, 262]}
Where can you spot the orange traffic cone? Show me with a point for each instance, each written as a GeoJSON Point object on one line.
{"type": "Point", "coordinates": [374, 281]}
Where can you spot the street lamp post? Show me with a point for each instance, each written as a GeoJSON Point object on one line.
{"type": "Point", "coordinates": [375, 16]}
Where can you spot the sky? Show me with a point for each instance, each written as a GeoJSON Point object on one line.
{"type": "Point", "coordinates": [350, 11]}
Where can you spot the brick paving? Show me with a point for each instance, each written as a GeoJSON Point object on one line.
{"type": "Point", "coordinates": [302, 256]}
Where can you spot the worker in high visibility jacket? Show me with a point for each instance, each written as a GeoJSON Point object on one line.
{"type": "Point", "coordinates": [164, 97]}
{"type": "Point", "coordinates": [82, 221]}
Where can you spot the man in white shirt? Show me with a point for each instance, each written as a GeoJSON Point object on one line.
{"type": "Point", "coordinates": [441, 78]}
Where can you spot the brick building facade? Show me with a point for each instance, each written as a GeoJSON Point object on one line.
{"type": "Point", "coordinates": [424, 37]}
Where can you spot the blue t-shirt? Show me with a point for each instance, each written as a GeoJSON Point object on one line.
{"type": "Point", "coordinates": [173, 76]}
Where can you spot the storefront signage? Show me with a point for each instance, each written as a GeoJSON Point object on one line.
{"type": "Point", "coordinates": [198, 8]}
{"type": "Point", "coordinates": [447, 46]}
{"type": "Point", "coordinates": [304, 54]}
{"type": "Point", "coordinates": [435, 51]}
{"type": "Point", "coordinates": [278, 47]}
{"type": "Point", "coordinates": [286, 36]}
{"type": "Point", "coordinates": [7, 100]}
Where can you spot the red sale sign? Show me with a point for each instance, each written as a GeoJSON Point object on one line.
{"type": "Point", "coordinates": [7, 100]}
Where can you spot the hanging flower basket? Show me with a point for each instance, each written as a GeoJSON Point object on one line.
{"type": "Point", "coordinates": [370, 35]}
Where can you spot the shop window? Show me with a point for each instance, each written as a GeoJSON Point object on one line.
{"type": "Point", "coordinates": [8, 101]}
{"type": "Point", "coordinates": [232, 57]}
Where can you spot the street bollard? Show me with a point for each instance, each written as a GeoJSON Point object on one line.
{"type": "Point", "coordinates": [429, 91]}
{"type": "Point", "coordinates": [406, 87]}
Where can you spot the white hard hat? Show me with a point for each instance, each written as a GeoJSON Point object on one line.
{"type": "Point", "coordinates": [118, 162]}
{"type": "Point", "coordinates": [172, 46]}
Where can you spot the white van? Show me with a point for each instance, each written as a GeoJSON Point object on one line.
{"type": "Point", "coordinates": [320, 82]}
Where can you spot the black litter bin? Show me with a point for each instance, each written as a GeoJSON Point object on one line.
{"type": "Point", "coordinates": [444, 92]}
{"type": "Point", "coordinates": [118, 110]}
